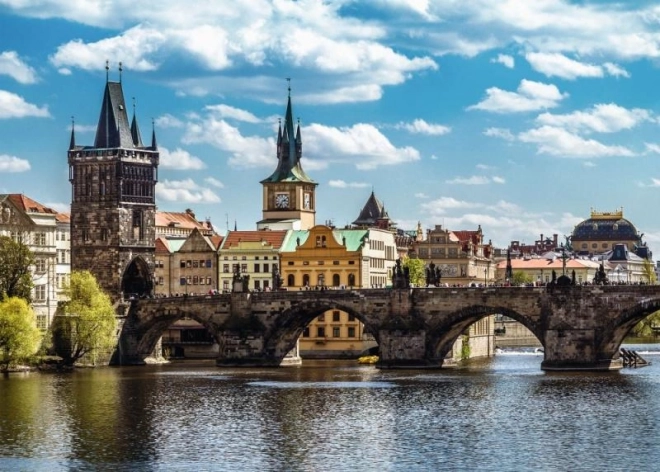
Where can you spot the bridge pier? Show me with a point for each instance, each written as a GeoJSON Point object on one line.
{"type": "Point", "coordinates": [575, 350]}
{"type": "Point", "coordinates": [404, 350]}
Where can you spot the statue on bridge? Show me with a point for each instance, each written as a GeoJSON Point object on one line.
{"type": "Point", "coordinates": [400, 276]}
{"type": "Point", "coordinates": [601, 277]}
{"type": "Point", "coordinates": [433, 275]}
{"type": "Point", "coordinates": [240, 283]}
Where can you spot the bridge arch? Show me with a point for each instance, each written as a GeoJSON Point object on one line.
{"type": "Point", "coordinates": [137, 279]}
{"type": "Point", "coordinates": [614, 333]}
{"type": "Point", "coordinates": [152, 329]}
{"type": "Point", "coordinates": [442, 336]}
{"type": "Point", "coordinates": [290, 324]}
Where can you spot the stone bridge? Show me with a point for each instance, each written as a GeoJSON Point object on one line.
{"type": "Point", "coordinates": [580, 327]}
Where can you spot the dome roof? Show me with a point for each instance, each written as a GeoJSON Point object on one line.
{"type": "Point", "coordinates": [615, 228]}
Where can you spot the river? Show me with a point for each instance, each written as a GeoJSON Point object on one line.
{"type": "Point", "coordinates": [500, 414]}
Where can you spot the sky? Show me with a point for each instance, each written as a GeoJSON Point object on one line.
{"type": "Point", "coordinates": [519, 116]}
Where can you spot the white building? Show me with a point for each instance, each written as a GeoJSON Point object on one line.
{"type": "Point", "coordinates": [47, 234]}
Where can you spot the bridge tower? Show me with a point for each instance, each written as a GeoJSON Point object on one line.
{"type": "Point", "coordinates": [113, 205]}
{"type": "Point", "coordinates": [289, 195]}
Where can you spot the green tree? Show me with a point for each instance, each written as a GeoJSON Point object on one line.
{"type": "Point", "coordinates": [416, 271]}
{"type": "Point", "coordinates": [86, 323]}
{"type": "Point", "coordinates": [19, 335]}
{"type": "Point", "coordinates": [15, 277]}
{"type": "Point", "coordinates": [520, 277]}
{"type": "Point", "coordinates": [645, 327]}
{"type": "Point", "coordinates": [648, 272]}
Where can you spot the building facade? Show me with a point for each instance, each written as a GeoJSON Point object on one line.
{"type": "Point", "coordinates": [113, 206]}
{"type": "Point", "coordinates": [46, 233]}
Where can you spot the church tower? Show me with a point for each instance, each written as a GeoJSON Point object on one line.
{"type": "Point", "coordinates": [289, 195]}
{"type": "Point", "coordinates": [113, 206]}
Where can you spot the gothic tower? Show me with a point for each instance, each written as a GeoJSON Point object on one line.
{"type": "Point", "coordinates": [289, 195]}
{"type": "Point", "coordinates": [113, 206]}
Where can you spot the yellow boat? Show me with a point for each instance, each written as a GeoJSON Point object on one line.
{"type": "Point", "coordinates": [368, 360]}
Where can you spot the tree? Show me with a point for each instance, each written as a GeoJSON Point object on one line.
{"type": "Point", "coordinates": [15, 277]}
{"type": "Point", "coordinates": [648, 272]}
{"type": "Point", "coordinates": [19, 335]}
{"type": "Point", "coordinates": [86, 323]}
{"type": "Point", "coordinates": [416, 271]}
{"type": "Point", "coordinates": [520, 278]}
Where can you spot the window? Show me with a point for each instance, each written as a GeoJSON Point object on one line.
{"type": "Point", "coordinates": [320, 332]}
{"type": "Point", "coordinates": [225, 285]}
{"type": "Point", "coordinates": [351, 332]}
{"type": "Point", "coordinates": [244, 268]}
{"type": "Point", "coordinates": [291, 280]}
{"type": "Point", "coordinates": [335, 280]}
{"type": "Point", "coordinates": [266, 284]}
{"type": "Point", "coordinates": [195, 264]}
{"type": "Point", "coordinates": [335, 315]}
{"type": "Point", "coordinates": [161, 281]}
{"type": "Point", "coordinates": [594, 245]}
{"type": "Point", "coordinates": [321, 317]}
{"type": "Point", "coordinates": [183, 264]}
{"type": "Point", "coordinates": [256, 267]}
{"type": "Point", "coordinates": [40, 265]}
{"type": "Point", "coordinates": [104, 234]}
{"type": "Point", "coordinates": [351, 317]}
{"type": "Point", "coordinates": [195, 280]}
{"type": "Point", "coordinates": [40, 293]}
{"type": "Point", "coordinates": [305, 333]}
{"type": "Point", "coordinates": [40, 239]}
{"type": "Point", "coordinates": [266, 268]}
{"type": "Point", "coordinates": [42, 321]}
{"type": "Point", "coordinates": [182, 281]}
{"type": "Point", "coordinates": [208, 280]}
{"type": "Point", "coordinates": [225, 268]}
{"type": "Point", "coordinates": [209, 264]}
{"type": "Point", "coordinates": [257, 284]}
{"type": "Point", "coordinates": [351, 280]}
{"type": "Point", "coordinates": [335, 332]}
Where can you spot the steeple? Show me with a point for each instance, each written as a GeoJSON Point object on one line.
{"type": "Point", "coordinates": [289, 150]}
{"type": "Point", "coordinates": [72, 143]}
{"type": "Point", "coordinates": [154, 145]}
{"type": "Point", "coordinates": [135, 130]}
{"type": "Point", "coordinates": [113, 130]}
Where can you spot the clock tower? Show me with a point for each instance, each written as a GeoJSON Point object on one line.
{"type": "Point", "coordinates": [289, 195]}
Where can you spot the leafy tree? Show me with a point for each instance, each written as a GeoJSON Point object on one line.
{"type": "Point", "coordinates": [19, 335]}
{"type": "Point", "coordinates": [15, 277]}
{"type": "Point", "coordinates": [645, 327]}
{"type": "Point", "coordinates": [520, 277]}
{"type": "Point", "coordinates": [86, 323]}
{"type": "Point", "coordinates": [648, 272]}
{"type": "Point", "coordinates": [416, 271]}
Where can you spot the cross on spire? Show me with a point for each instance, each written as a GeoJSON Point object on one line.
{"type": "Point", "coordinates": [288, 79]}
{"type": "Point", "coordinates": [107, 70]}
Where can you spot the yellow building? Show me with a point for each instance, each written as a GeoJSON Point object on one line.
{"type": "Point", "coordinates": [324, 258]}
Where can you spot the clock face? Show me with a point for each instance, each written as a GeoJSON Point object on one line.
{"type": "Point", "coordinates": [282, 200]}
{"type": "Point", "coordinates": [307, 201]}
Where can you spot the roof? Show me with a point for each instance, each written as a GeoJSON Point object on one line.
{"type": "Point", "coordinates": [216, 240]}
{"type": "Point", "coordinates": [289, 152]}
{"type": "Point", "coordinates": [162, 245]}
{"type": "Point", "coordinates": [273, 238]}
{"type": "Point", "coordinates": [113, 130]}
{"type": "Point", "coordinates": [63, 218]}
{"type": "Point", "coordinates": [28, 205]}
{"type": "Point", "coordinates": [465, 236]}
{"type": "Point", "coordinates": [610, 226]}
{"type": "Point", "coordinates": [353, 239]}
{"type": "Point", "coordinates": [372, 211]}
{"type": "Point", "coordinates": [557, 264]}
{"type": "Point", "coordinates": [185, 220]}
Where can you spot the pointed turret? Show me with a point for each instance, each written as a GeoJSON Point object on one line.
{"type": "Point", "coordinates": [72, 143]}
{"type": "Point", "coordinates": [289, 151]}
{"type": "Point", "coordinates": [154, 145]}
{"type": "Point", "coordinates": [113, 130]}
{"type": "Point", "coordinates": [135, 130]}
{"type": "Point", "coordinates": [372, 213]}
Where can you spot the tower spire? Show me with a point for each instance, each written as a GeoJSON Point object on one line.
{"type": "Point", "coordinates": [107, 71]}
{"type": "Point", "coordinates": [72, 143]}
{"type": "Point", "coordinates": [154, 146]}
{"type": "Point", "coordinates": [120, 70]}
{"type": "Point", "coordinates": [135, 130]}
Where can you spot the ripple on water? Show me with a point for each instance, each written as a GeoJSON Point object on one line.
{"type": "Point", "coordinates": [321, 385]}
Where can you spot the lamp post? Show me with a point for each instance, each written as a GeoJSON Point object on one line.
{"type": "Point", "coordinates": [485, 277]}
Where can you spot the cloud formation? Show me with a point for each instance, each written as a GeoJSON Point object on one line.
{"type": "Point", "coordinates": [530, 96]}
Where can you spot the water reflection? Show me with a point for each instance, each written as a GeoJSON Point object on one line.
{"type": "Point", "coordinates": [503, 414]}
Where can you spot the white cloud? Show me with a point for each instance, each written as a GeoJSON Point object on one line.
{"type": "Point", "coordinates": [13, 164]}
{"type": "Point", "coordinates": [421, 195]}
{"type": "Point", "coordinates": [343, 184]}
{"type": "Point", "coordinates": [179, 159]}
{"type": "Point", "coordinates": [505, 60]}
{"type": "Point", "coordinates": [484, 167]}
{"type": "Point", "coordinates": [589, 164]}
{"type": "Point", "coordinates": [498, 180]}
{"type": "Point", "coordinates": [420, 126]}
{"type": "Point", "coordinates": [214, 182]}
{"type": "Point", "coordinates": [16, 68]}
{"type": "Point", "coordinates": [362, 145]}
{"type": "Point", "coordinates": [558, 65]}
{"type": "Point", "coordinates": [244, 151]}
{"type": "Point", "coordinates": [502, 133]}
{"type": "Point", "coordinates": [168, 121]}
{"type": "Point", "coordinates": [530, 96]}
{"type": "Point", "coordinates": [443, 204]}
{"type": "Point", "coordinates": [14, 106]}
{"type": "Point", "coordinates": [562, 143]}
{"type": "Point", "coordinates": [185, 191]}
{"type": "Point", "coordinates": [226, 111]}
{"type": "Point", "coordinates": [133, 48]}
{"type": "Point", "coordinates": [602, 118]}
{"type": "Point", "coordinates": [652, 148]}
{"type": "Point", "coordinates": [474, 180]}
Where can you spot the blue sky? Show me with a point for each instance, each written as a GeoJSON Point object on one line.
{"type": "Point", "coordinates": [514, 115]}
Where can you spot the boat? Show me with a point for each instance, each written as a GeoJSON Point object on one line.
{"type": "Point", "coordinates": [368, 360]}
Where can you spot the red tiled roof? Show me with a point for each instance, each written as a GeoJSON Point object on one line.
{"type": "Point", "coordinates": [63, 218]}
{"type": "Point", "coordinates": [465, 236]}
{"type": "Point", "coordinates": [180, 220]}
{"type": "Point", "coordinates": [162, 246]}
{"type": "Point", "coordinates": [546, 264]}
{"type": "Point", "coordinates": [274, 238]}
{"type": "Point", "coordinates": [216, 241]}
{"type": "Point", "coordinates": [28, 205]}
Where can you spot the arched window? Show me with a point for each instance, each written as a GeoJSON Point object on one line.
{"type": "Point", "coordinates": [335, 280]}
{"type": "Point", "coordinates": [351, 280]}
{"type": "Point", "coordinates": [306, 280]}
{"type": "Point", "coordinates": [291, 280]}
